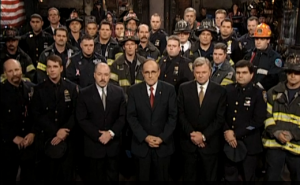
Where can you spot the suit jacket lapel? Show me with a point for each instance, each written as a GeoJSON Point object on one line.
{"type": "Point", "coordinates": [109, 97]}
{"type": "Point", "coordinates": [157, 96]}
{"type": "Point", "coordinates": [97, 98]}
{"type": "Point", "coordinates": [207, 95]}
{"type": "Point", "coordinates": [144, 94]}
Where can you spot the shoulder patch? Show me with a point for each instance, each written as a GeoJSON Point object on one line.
{"type": "Point", "coordinates": [278, 62]}
{"type": "Point", "coordinates": [229, 75]}
{"type": "Point", "coordinates": [264, 93]}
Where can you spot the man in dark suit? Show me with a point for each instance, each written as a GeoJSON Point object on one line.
{"type": "Point", "coordinates": [101, 114]}
{"type": "Point", "coordinates": [202, 106]}
{"type": "Point", "coordinates": [151, 114]}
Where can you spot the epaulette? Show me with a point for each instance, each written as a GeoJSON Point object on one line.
{"type": "Point", "coordinates": [163, 31]}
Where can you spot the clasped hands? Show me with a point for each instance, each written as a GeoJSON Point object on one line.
{"type": "Point", "coordinates": [24, 142]}
{"type": "Point", "coordinates": [105, 137]}
{"type": "Point", "coordinates": [197, 139]}
{"type": "Point", "coordinates": [153, 141]}
{"type": "Point", "coordinates": [283, 136]}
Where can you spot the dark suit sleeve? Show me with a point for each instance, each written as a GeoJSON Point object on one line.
{"type": "Point", "coordinates": [172, 117]}
{"type": "Point", "coordinates": [71, 122]}
{"type": "Point", "coordinates": [259, 115]}
{"type": "Point", "coordinates": [132, 119]}
{"type": "Point", "coordinates": [82, 116]}
{"type": "Point", "coordinates": [185, 124]}
{"type": "Point", "coordinates": [219, 120]}
{"type": "Point", "coordinates": [120, 122]}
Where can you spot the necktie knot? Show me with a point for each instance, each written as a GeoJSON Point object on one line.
{"type": "Point", "coordinates": [151, 89]}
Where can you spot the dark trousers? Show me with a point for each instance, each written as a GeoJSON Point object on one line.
{"type": "Point", "coordinates": [103, 169]}
{"type": "Point", "coordinates": [11, 158]}
{"type": "Point", "coordinates": [200, 167]}
{"type": "Point", "coordinates": [276, 160]}
{"type": "Point", "coordinates": [245, 169]}
{"type": "Point", "coordinates": [152, 167]}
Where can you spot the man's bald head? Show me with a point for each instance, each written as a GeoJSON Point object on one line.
{"type": "Point", "coordinates": [13, 71]}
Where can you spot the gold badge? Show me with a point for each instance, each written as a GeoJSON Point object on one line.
{"type": "Point", "coordinates": [67, 96]}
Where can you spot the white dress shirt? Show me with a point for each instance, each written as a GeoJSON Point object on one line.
{"type": "Point", "coordinates": [204, 87]}
{"type": "Point", "coordinates": [186, 46]}
{"type": "Point", "coordinates": [154, 89]}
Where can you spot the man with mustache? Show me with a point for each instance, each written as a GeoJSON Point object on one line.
{"type": "Point", "coordinates": [146, 48]}
{"type": "Point", "coordinates": [17, 131]}
{"type": "Point", "coordinates": [60, 48]}
{"type": "Point", "coordinates": [13, 51]}
{"type": "Point", "coordinates": [101, 114]}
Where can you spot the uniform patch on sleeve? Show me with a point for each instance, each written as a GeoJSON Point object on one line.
{"type": "Point", "coordinates": [265, 95]}
{"type": "Point", "coordinates": [278, 62]}
{"type": "Point", "coordinates": [229, 75]}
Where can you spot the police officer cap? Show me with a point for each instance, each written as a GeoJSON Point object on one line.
{"type": "Point", "coordinates": [182, 26]}
{"type": "Point", "coordinates": [36, 16]}
{"type": "Point", "coordinates": [55, 151]}
{"type": "Point", "coordinates": [236, 154]}
{"type": "Point", "coordinates": [11, 33]}
{"type": "Point", "coordinates": [292, 63]}
{"type": "Point", "coordinates": [206, 25]}
{"type": "Point", "coordinates": [129, 35]}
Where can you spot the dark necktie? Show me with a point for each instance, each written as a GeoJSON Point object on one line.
{"type": "Point", "coordinates": [151, 97]}
{"type": "Point", "coordinates": [182, 50]}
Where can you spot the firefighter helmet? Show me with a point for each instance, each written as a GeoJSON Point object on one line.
{"type": "Point", "coordinates": [292, 63]}
{"type": "Point", "coordinates": [131, 16]}
{"type": "Point", "coordinates": [11, 33]}
{"type": "Point", "coordinates": [262, 31]}
{"type": "Point", "coordinates": [182, 26]}
{"type": "Point", "coordinates": [206, 25]}
{"type": "Point", "coordinates": [129, 35]}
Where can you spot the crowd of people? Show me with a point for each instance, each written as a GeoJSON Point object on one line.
{"type": "Point", "coordinates": [126, 98]}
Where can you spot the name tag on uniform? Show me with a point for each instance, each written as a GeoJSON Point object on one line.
{"type": "Point", "coordinates": [67, 96]}
{"type": "Point", "coordinates": [262, 71]}
{"type": "Point", "coordinates": [247, 102]}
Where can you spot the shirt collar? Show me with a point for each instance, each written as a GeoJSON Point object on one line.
{"type": "Point", "coordinates": [154, 87]}
{"type": "Point", "coordinates": [186, 45]}
{"type": "Point", "coordinates": [203, 85]}
{"type": "Point", "coordinates": [100, 88]}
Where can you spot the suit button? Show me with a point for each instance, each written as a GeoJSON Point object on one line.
{"type": "Point", "coordinates": [174, 80]}
{"type": "Point", "coordinates": [236, 103]}
{"type": "Point", "coordinates": [165, 76]}
{"type": "Point", "coordinates": [233, 119]}
{"type": "Point", "coordinates": [56, 112]}
{"type": "Point", "coordinates": [232, 127]}
{"type": "Point", "coordinates": [55, 120]}
{"type": "Point", "coordinates": [37, 49]}
{"type": "Point", "coordinates": [235, 111]}
{"type": "Point", "coordinates": [23, 121]}
{"type": "Point", "coordinates": [8, 110]}
{"type": "Point", "coordinates": [23, 129]}
{"type": "Point", "coordinates": [23, 113]}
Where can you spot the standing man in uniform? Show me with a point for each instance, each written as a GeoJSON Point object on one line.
{"type": "Point", "coordinates": [220, 15]}
{"type": "Point", "coordinates": [234, 52]}
{"type": "Point", "coordinates": [36, 41]}
{"type": "Point", "coordinates": [204, 47]}
{"type": "Point", "coordinates": [61, 48]}
{"type": "Point", "coordinates": [81, 67]}
{"type": "Point", "coordinates": [53, 108]}
{"type": "Point", "coordinates": [146, 48]}
{"type": "Point", "coordinates": [222, 73]}
{"type": "Point", "coordinates": [12, 50]}
{"type": "Point", "coordinates": [202, 106]}
{"type": "Point", "coordinates": [175, 69]}
{"type": "Point", "coordinates": [75, 24]}
{"type": "Point", "coordinates": [247, 40]}
{"type": "Point", "coordinates": [105, 45]}
{"type": "Point", "coordinates": [281, 136]}
{"type": "Point", "coordinates": [126, 70]}
{"type": "Point", "coordinates": [190, 17]}
{"type": "Point", "coordinates": [119, 31]}
{"type": "Point", "coordinates": [91, 29]}
{"type": "Point", "coordinates": [267, 62]}
{"type": "Point", "coordinates": [17, 131]}
{"type": "Point", "coordinates": [101, 114]}
{"type": "Point", "coordinates": [245, 114]}
{"type": "Point", "coordinates": [152, 114]}
{"type": "Point", "coordinates": [157, 35]}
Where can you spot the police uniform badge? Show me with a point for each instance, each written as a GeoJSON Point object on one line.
{"type": "Point", "coordinates": [67, 96]}
{"type": "Point", "coordinates": [96, 61]}
{"type": "Point", "coordinates": [265, 95]}
{"type": "Point", "coordinates": [156, 43]}
{"type": "Point", "coordinates": [191, 66]}
{"type": "Point", "coordinates": [247, 102]}
{"type": "Point", "coordinates": [30, 35]}
{"type": "Point", "coordinates": [120, 67]}
{"type": "Point", "coordinates": [175, 70]}
{"type": "Point", "coordinates": [229, 75]}
{"type": "Point", "coordinates": [278, 62]}
{"type": "Point", "coordinates": [229, 46]}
